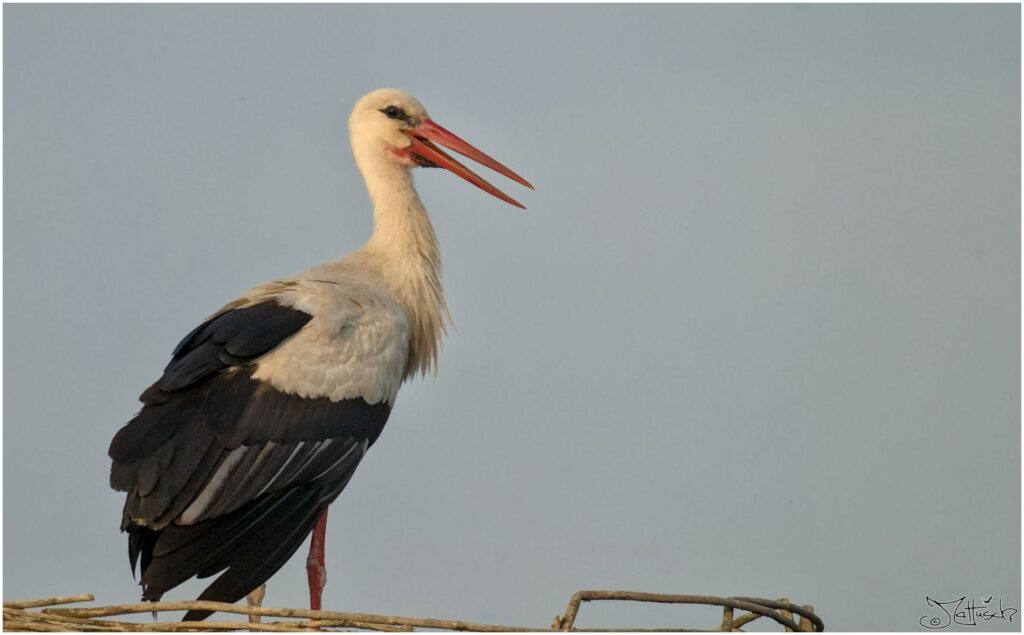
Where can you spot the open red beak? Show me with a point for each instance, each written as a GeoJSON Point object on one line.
{"type": "Point", "coordinates": [424, 139]}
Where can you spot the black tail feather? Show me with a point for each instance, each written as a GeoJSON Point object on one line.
{"type": "Point", "coordinates": [140, 542]}
{"type": "Point", "coordinates": [242, 577]}
{"type": "Point", "coordinates": [248, 545]}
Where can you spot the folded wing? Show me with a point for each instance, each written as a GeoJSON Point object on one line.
{"type": "Point", "coordinates": [226, 472]}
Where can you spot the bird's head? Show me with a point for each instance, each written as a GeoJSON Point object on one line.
{"type": "Point", "coordinates": [390, 126]}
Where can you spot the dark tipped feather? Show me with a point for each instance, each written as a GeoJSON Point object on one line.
{"type": "Point", "coordinates": [140, 541]}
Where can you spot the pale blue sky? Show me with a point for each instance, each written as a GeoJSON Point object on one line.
{"type": "Point", "coordinates": [757, 334]}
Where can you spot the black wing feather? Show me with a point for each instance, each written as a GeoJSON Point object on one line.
{"type": "Point", "coordinates": [293, 456]}
{"type": "Point", "coordinates": [243, 334]}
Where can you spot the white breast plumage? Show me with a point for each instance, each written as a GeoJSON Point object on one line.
{"type": "Point", "coordinates": [356, 345]}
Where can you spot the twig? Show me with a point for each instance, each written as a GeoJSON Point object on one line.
{"type": "Point", "coordinates": [744, 619]}
{"type": "Point", "coordinates": [788, 615]}
{"type": "Point", "coordinates": [805, 622]}
{"type": "Point", "coordinates": [65, 599]}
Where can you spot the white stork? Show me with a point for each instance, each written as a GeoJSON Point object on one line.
{"type": "Point", "coordinates": [268, 406]}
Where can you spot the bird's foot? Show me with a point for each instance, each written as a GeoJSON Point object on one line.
{"type": "Point", "coordinates": [256, 599]}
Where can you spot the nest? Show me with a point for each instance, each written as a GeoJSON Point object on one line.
{"type": "Point", "coordinates": [49, 615]}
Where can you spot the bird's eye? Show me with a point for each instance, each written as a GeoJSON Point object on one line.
{"type": "Point", "coordinates": [394, 112]}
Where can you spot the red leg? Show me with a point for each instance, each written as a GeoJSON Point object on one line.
{"type": "Point", "coordinates": [316, 568]}
{"type": "Point", "coordinates": [256, 599]}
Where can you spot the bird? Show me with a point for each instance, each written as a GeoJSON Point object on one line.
{"type": "Point", "coordinates": [266, 409]}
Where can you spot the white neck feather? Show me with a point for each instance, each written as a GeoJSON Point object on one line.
{"type": "Point", "coordinates": [405, 248]}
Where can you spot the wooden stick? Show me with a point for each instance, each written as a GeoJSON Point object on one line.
{"type": "Point", "coordinates": [727, 614]}
{"type": "Point", "coordinates": [65, 599]}
{"type": "Point", "coordinates": [368, 626]}
{"type": "Point", "coordinates": [788, 615]}
{"type": "Point", "coordinates": [743, 620]}
{"type": "Point", "coordinates": [805, 624]}
{"type": "Point", "coordinates": [752, 605]}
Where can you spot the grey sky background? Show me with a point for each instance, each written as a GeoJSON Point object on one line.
{"type": "Point", "coordinates": [757, 334]}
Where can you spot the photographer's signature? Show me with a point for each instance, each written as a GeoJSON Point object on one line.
{"type": "Point", "coordinates": [965, 611]}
